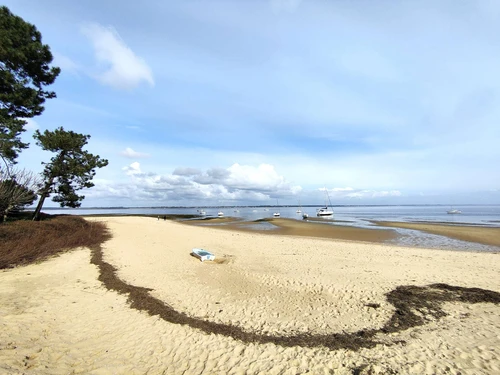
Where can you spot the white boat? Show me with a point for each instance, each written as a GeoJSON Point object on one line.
{"type": "Point", "coordinates": [325, 211]}
{"type": "Point", "coordinates": [202, 254]}
{"type": "Point", "coordinates": [220, 213]}
{"type": "Point", "coordinates": [452, 211]}
{"type": "Point", "coordinates": [202, 212]}
{"type": "Point", "coordinates": [277, 213]}
{"type": "Point", "coordinates": [305, 215]}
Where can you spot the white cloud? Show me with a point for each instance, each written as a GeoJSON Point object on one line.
{"type": "Point", "coordinates": [133, 169]}
{"type": "Point", "coordinates": [237, 183]}
{"type": "Point", "coordinates": [121, 68]}
{"type": "Point", "coordinates": [129, 153]}
{"type": "Point", "coordinates": [262, 177]}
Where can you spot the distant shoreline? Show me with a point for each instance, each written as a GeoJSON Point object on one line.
{"type": "Point", "coordinates": [262, 206]}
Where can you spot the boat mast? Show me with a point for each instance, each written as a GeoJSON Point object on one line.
{"type": "Point", "coordinates": [328, 195]}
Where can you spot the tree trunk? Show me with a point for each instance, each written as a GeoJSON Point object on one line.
{"type": "Point", "coordinates": [39, 206]}
{"type": "Point", "coordinates": [45, 194]}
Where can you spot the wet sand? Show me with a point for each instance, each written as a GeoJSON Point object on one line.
{"type": "Point", "coordinates": [290, 227]}
{"type": "Point", "coordinates": [482, 235]}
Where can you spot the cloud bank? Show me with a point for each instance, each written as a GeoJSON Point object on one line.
{"type": "Point", "coordinates": [232, 185]}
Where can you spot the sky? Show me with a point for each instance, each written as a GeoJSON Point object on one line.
{"type": "Point", "coordinates": [239, 102]}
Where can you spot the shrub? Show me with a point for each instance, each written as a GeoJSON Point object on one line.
{"type": "Point", "coordinates": [24, 242]}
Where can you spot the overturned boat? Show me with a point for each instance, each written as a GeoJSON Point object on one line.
{"type": "Point", "coordinates": [202, 254]}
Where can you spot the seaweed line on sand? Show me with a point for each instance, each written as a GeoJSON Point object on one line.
{"type": "Point", "coordinates": [414, 306]}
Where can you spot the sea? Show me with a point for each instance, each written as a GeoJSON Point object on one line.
{"type": "Point", "coordinates": [362, 216]}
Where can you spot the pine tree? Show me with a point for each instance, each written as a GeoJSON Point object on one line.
{"type": "Point", "coordinates": [70, 170]}
{"type": "Point", "coordinates": [24, 72]}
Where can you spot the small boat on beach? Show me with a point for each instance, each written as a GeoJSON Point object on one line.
{"type": "Point", "coordinates": [202, 255]}
{"type": "Point", "coordinates": [305, 215]}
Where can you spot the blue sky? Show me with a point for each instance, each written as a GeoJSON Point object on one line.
{"type": "Point", "coordinates": [242, 102]}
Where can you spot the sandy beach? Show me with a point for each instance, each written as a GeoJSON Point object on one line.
{"type": "Point", "coordinates": [294, 302]}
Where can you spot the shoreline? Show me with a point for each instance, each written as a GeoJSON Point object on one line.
{"type": "Point", "coordinates": [471, 233]}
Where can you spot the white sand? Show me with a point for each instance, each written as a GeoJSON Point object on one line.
{"type": "Point", "coordinates": [55, 317]}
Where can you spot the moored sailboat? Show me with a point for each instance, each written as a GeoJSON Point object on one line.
{"type": "Point", "coordinates": [325, 211]}
{"type": "Point", "coordinates": [277, 213]}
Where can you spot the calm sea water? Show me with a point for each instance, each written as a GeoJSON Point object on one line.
{"type": "Point", "coordinates": [358, 216]}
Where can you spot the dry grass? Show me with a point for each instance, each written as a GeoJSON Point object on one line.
{"type": "Point", "coordinates": [23, 241]}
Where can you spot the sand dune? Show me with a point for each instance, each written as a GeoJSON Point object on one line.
{"type": "Point", "coordinates": [56, 317]}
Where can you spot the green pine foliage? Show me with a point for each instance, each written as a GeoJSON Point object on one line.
{"type": "Point", "coordinates": [24, 72]}
{"type": "Point", "coordinates": [70, 170]}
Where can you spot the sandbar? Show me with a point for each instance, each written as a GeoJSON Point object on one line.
{"type": "Point", "coordinates": [290, 227]}
{"type": "Point", "coordinates": [471, 233]}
